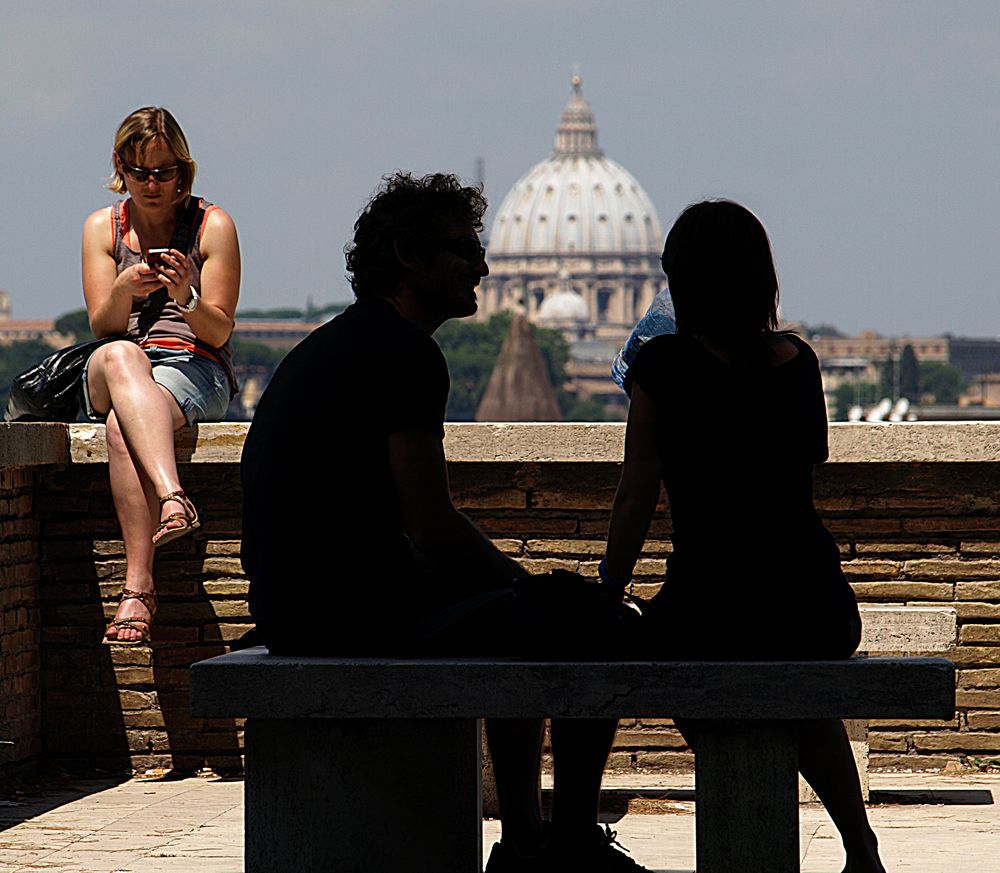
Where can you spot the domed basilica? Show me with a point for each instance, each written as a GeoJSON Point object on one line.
{"type": "Point", "coordinates": [576, 243]}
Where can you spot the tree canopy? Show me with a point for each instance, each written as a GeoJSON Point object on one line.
{"type": "Point", "coordinates": [942, 381]}
{"type": "Point", "coordinates": [909, 374]}
{"type": "Point", "coordinates": [75, 323]}
{"type": "Point", "coordinates": [291, 313]}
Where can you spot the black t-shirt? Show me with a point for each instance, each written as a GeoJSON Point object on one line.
{"type": "Point", "coordinates": [737, 450]}
{"type": "Point", "coordinates": [323, 531]}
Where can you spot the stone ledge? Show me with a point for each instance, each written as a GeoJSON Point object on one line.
{"type": "Point", "coordinates": [915, 442]}
{"type": "Point", "coordinates": [217, 443]}
{"type": "Point", "coordinates": [25, 445]}
{"type": "Point", "coordinates": [31, 445]}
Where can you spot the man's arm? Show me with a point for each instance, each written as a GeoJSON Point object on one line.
{"type": "Point", "coordinates": [443, 534]}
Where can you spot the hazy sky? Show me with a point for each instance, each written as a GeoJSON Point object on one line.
{"type": "Point", "coordinates": [865, 134]}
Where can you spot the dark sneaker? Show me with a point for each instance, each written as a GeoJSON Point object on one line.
{"type": "Point", "coordinates": [600, 852]}
{"type": "Point", "coordinates": [505, 858]}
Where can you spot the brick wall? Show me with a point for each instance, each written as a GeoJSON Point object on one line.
{"type": "Point", "coordinates": [114, 707]}
{"type": "Point", "coordinates": [910, 533]}
{"type": "Point", "coordinates": [20, 717]}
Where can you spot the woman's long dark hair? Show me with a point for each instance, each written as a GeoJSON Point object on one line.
{"type": "Point", "coordinates": [721, 276]}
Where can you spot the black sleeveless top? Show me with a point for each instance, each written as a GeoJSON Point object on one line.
{"type": "Point", "coordinates": [737, 451]}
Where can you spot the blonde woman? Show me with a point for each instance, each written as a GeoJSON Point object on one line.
{"type": "Point", "coordinates": [173, 367]}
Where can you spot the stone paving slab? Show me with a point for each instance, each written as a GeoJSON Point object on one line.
{"type": "Point", "coordinates": [926, 823]}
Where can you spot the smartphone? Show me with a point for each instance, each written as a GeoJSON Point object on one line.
{"type": "Point", "coordinates": [154, 259]}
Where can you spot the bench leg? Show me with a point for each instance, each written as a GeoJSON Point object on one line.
{"type": "Point", "coordinates": [362, 795]}
{"type": "Point", "coordinates": [747, 811]}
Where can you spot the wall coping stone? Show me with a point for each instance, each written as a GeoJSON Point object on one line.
{"type": "Point", "coordinates": [27, 445]}
{"type": "Point", "coordinates": [30, 445]}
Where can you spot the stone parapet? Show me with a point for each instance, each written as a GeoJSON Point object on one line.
{"type": "Point", "coordinates": [914, 508]}
{"type": "Point", "coordinates": [28, 445]}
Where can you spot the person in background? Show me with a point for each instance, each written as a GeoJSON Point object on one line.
{"type": "Point", "coordinates": [739, 485]}
{"type": "Point", "coordinates": [657, 321]}
{"type": "Point", "coordinates": [174, 310]}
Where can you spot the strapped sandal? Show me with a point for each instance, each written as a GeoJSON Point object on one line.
{"type": "Point", "coordinates": [188, 519]}
{"type": "Point", "coordinates": [139, 625]}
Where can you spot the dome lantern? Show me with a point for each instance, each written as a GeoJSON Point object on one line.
{"type": "Point", "coordinates": [577, 131]}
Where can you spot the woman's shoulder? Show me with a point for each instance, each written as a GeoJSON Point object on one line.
{"type": "Point", "coordinates": [666, 344]}
{"type": "Point", "coordinates": [97, 230]}
{"type": "Point", "coordinates": [214, 212]}
{"type": "Point", "coordinates": [654, 361]}
{"type": "Point", "coordinates": [805, 353]}
{"type": "Point", "coordinates": [99, 219]}
{"type": "Point", "coordinates": [217, 226]}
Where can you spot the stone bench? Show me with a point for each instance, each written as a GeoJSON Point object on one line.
{"type": "Point", "coordinates": [897, 630]}
{"type": "Point", "coordinates": [368, 764]}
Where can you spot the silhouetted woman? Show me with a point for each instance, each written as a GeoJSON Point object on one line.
{"type": "Point", "coordinates": [729, 414]}
{"type": "Point", "coordinates": [180, 372]}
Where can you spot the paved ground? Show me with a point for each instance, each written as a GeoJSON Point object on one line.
{"type": "Point", "coordinates": [930, 824]}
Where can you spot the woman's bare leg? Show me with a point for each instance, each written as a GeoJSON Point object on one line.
{"type": "Point", "coordinates": [119, 377]}
{"type": "Point", "coordinates": [827, 764]}
{"type": "Point", "coordinates": [142, 417]}
{"type": "Point", "coordinates": [136, 507]}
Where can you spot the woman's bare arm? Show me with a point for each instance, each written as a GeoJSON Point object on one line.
{"type": "Point", "coordinates": [638, 492]}
{"type": "Point", "coordinates": [107, 293]}
{"type": "Point", "coordinates": [213, 319]}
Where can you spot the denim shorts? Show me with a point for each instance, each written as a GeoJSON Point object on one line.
{"type": "Point", "coordinates": [199, 385]}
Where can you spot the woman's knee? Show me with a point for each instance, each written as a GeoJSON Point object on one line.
{"type": "Point", "coordinates": [120, 360]}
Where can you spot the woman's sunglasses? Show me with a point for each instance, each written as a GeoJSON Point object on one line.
{"type": "Point", "coordinates": [161, 174]}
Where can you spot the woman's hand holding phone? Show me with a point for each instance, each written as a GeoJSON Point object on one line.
{"type": "Point", "coordinates": [174, 272]}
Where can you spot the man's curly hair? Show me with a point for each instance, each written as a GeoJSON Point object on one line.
{"type": "Point", "coordinates": [408, 213]}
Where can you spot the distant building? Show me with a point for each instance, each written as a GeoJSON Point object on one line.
{"type": "Point", "coordinates": [274, 333]}
{"type": "Point", "coordinates": [12, 331]}
{"type": "Point", "coordinates": [869, 345]}
{"type": "Point", "coordinates": [983, 392]}
{"type": "Point", "coordinates": [575, 245]}
{"type": "Point", "coordinates": [974, 357]}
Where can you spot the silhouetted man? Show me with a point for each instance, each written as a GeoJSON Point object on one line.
{"type": "Point", "coordinates": [350, 537]}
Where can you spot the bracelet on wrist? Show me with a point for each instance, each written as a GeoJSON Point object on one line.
{"type": "Point", "coordinates": [602, 572]}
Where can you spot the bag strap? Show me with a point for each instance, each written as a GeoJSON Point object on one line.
{"type": "Point", "coordinates": [186, 229]}
{"type": "Point", "coordinates": [182, 240]}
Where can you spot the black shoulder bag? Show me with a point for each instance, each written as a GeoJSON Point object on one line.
{"type": "Point", "coordinates": [50, 390]}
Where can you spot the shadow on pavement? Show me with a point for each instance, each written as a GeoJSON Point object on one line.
{"type": "Point", "coordinates": [41, 796]}
{"type": "Point", "coordinates": [933, 797]}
